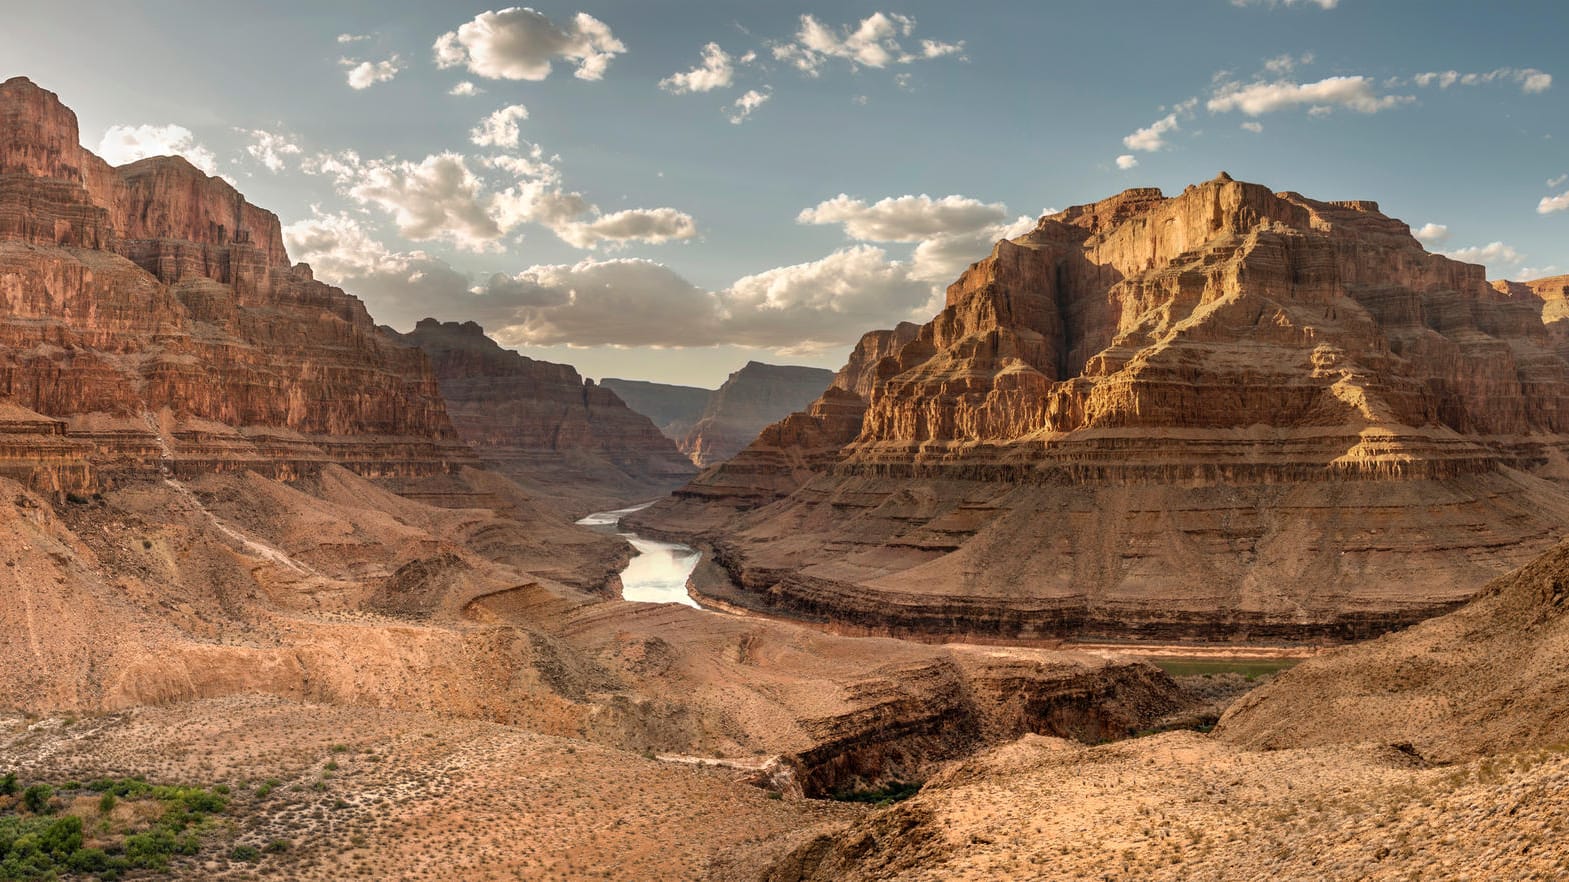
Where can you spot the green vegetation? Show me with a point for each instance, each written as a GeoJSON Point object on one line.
{"type": "Point", "coordinates": [37, 842]}
{"type": "Point", "coordinates": [1248, 667]}
{"type": "Point", "coordinates": [888, 794]}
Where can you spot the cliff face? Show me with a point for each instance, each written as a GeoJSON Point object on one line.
{"type": "Point", "coordinates": [750, 399]}
{"type": "Point", "coordinates": [1229, 413]}
{"type": "Point", "coordinates": [543, 425]}
{"type": "Point", "coordinates": [674, 409]}
{"type": "Point", "coordinates": [149, 315]}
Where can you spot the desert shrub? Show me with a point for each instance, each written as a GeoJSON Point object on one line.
{"type": "Point", "coordinates": [36, 798]}
{"type": "Point", "coordinates": [106, 803]}
{"type": "Point", "coordinates": [246, 853]}
{"type": "Point", "coordinates": [8, 785]}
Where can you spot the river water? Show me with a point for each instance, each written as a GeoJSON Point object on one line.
{"type": "Point", "coordinates": [659, 570]}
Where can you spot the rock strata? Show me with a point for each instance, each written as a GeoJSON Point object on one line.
{"type": "Point", "coordinates": [149, 318]}
{"type": "Point", "coordinates": [543, 425]}
{"type": "Point", "coordinates": [1228, 414]}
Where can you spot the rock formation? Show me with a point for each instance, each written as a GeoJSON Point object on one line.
{"type": "Point", "coordinates": [674, 409]}
{"type": "Point", "coordinates": [749, 400]}
{"type": "Point", "coordinates": [149, 317]}
{"type": "Point", "coordinates": [543, 425]}
{"type": "Point", "coordinates": [1227, 414]}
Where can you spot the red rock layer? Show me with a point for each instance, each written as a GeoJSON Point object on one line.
{"type": "Point", "coordinates": [1231, 412]}
{"type": "Point", "coordinates": [150, 315]}
{"type": "Point", "coordinates": [540, 422]}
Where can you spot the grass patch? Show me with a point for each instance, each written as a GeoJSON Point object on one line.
{"type": "Point", "coordinates": [888, 794]}
{"type": "Point", "coordinates": [1247, 667]}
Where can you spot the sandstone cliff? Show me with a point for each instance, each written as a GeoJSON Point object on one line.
{"type": "Point", "coordinates": [543, 425]}
{"type": "Point", "coordinates": [149, 317]}
{"type": "Point", "coordinates": [674, 409]}
{"type": "Point", "coordinates": [1228, 413]}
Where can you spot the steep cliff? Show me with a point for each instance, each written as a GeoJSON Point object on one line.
{"type": "Point", "coordinates": [1227, 414]}
{"type": "Point", "coordinates": [149, 317]}
{"type": "Point", "coordinates": [749, 400]}
{"type": "Point", "coordinates": [543, 425]}
{"type": "Point", "coordinates": [674, 409]}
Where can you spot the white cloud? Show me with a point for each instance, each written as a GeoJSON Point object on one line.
{"type": "Point", "coordinates": [1550, 204]}
{"type": "Point", "coordinates": [123, 144]}
{"type": "Point", "coordinates": [1255, 99]}
{"type": "Point", "coordinates": [941, 258]}
{"type": "Point", "coordinates": [1553, 182]}
{"type": "Point", "coordinates": [1153, 136]}
{"type": "Point", "coordinates": [465, 89]}
{"type": "Point", "coordinates": [1284, 64]}
{"type": "Point", "coordinates": [1431, 233]}
{"type": "Point", "coordinates": [1492, 254]}
{"type": "Point", "coordinates": [364, 74]}
{"type": "Point", "coordinates": [651, 225]}
{"type": "Point", "coordinates": [1530, 80]}
{"type": "Point", "coordinates": [353, 38]}
{"type": "Point", "coordinates": [904, 218]}
{"type": "Point", "coordinates": [715, 72]}
{"type": "Point", "coordinates": [1253, 126]}
{"type": "Point", "coordinates": [436, 198]}
{"type": "Point", "coordinates": [1127, 161]}
{"type": "Point", "coordinates": [748, 102]}
{"type": "Point", "coordinates": [874, 43]}
{"type": "Point", "coordinates": [269, 148]}
{"type": "Point", "coordinates": [499, 129]}
{"type": "Point", "coordinates": [521, 44]}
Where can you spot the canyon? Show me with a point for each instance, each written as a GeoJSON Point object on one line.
{"type": "Point", "coordinates": [1227, 415]}
{"type": "Point", "coordinates": [714, 426]}
{"type": "Point", "coordinates": [544, 426]}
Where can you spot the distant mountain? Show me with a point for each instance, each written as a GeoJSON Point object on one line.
{"type": "Point", "coordinates": [543, 425]}
{"type": "Point", "coordinates": [712, 426]}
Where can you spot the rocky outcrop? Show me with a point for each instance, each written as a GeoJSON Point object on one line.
{"type": "Point", "coordinates": [543, 425]}
{"type": "Point", "coordinates": [1228, 414]}
{"type": "Point", "coordinates": [674, 409]}
{"type": "Point", "coordinates": [149, 317]}
{"type": "Point", "coordinates": [749, 400]}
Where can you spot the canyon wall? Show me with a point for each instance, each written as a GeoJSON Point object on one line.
{"type": "Point", "coordinates": [1228, 414]}
{"type": "Point", "coordinates": [543, 425]}
{"type": "Point", "coordinates": [674, 409]}
{"type": "Point", "coordinates": [149, 319]}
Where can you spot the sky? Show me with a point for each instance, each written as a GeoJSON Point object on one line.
{"type": "Point", "coordinates": [666, 190]}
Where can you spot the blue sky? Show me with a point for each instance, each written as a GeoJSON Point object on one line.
{"type": "Point", "coordinates": [631, 219]}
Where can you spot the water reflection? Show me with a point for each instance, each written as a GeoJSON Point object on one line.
{"type": "Point", "coordinates": [659, 570]}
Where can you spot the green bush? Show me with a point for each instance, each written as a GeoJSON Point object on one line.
{"type": "Point", "coordinates": [106, 803]}
{"type": "Point", "coordinates": [247, 853]}
{"type": "Point", "coordinates": [36, 798]}
{"type": "Point", "coordinates": [8, 784]}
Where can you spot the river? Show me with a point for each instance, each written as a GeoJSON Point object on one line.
{"type": "Point", "coordinates": [659, 570]}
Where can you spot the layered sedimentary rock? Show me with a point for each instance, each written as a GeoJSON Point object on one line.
{"type": "Point", "coordinates": [711, 426]}
{"type": "Point", "coordinates": [543, 425]}
{"type": "Point", "coordinates": [674, 409]}
{"type": "Point", "coordinates": [1231, 413]}
{"type": "Point", "coordinates": [149, 317]}
{"type": "Point", "coordinates": [749, 400]}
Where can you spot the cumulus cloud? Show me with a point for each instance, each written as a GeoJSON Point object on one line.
{"type": "Point", "coordinates": [1530, 80]}
{"type": "Point", "coordinates": [499, 129]}
{"type": "Point", "coordinates": [123, 144]}
{"type": "Point", "coordinates": [715, 72]}
{"type": "Point", "coordinates": [950, 232]}
{"type": "Point", "coordinates": [1492, 254]}
{"type": "Point", "coordinates": [1127, 161]}
{"type": "Point", "coordinates": [1431, 233]}
{"type": "Point", "coordinates": [364, 74]}
{"type": "Point", "coordinates": [465, 89]}
{"type": "Point", "coordinates": [436, 198]}
{"type": "Point", "coordinates": [269, 148]}
{"type": "Point", "coordinates": [1153, 136]}
{"type": "Point", "coordinates": [1550, 204]}
{"type": "Point", "coordinates": [748, 102]}
{"type": "Point", "coordinates": [1252, 126]}
{"type": "Point", "coordinates": [1255, 99]}
{"type": "Point", "coordinates": [522, 44]}
{"type": "Point", "coordinates": [651, 225]}
{"type": "Point", "coordinates": [875, 42]}
{"type": "Point", "coordinates": [904, 218]}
